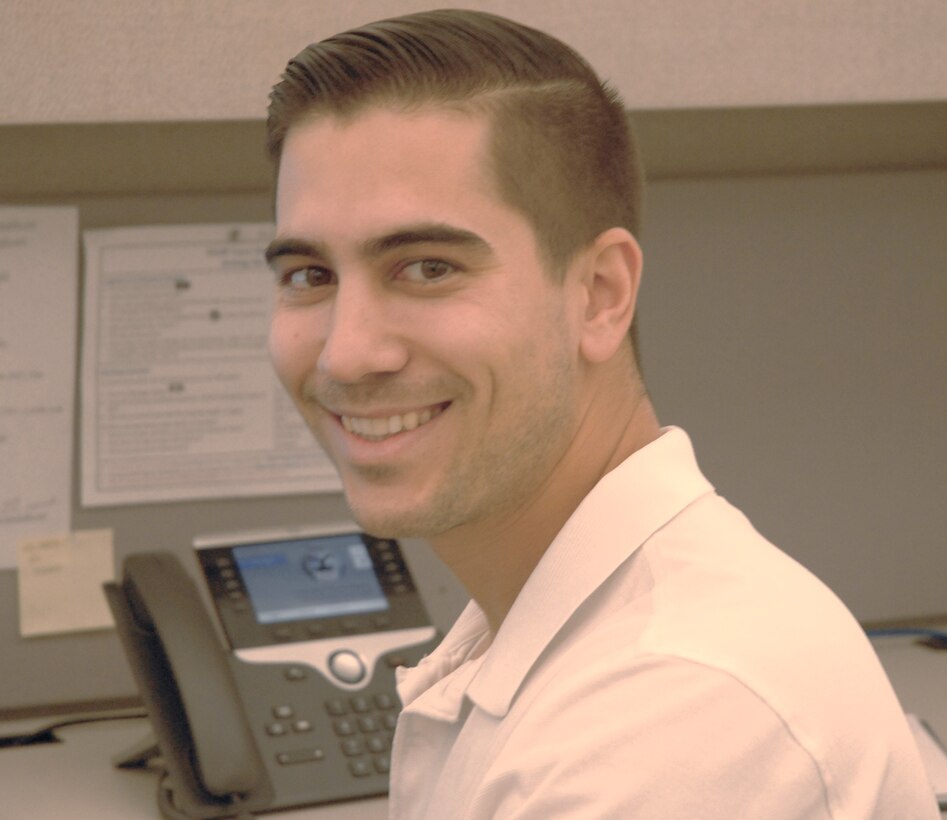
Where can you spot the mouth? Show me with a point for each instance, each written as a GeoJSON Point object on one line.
{"type": "Point", "coordinates": [379, 428]}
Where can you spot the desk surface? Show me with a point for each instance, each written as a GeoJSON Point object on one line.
{"type": "Point", "coordinates": [75, 778]}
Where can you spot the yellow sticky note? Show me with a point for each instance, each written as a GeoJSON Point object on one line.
{"type": "Point", "coordinates": [60, 582]}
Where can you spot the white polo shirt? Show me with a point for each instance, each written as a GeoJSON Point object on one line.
{"type": "Point", "coordinates": [663, 661]}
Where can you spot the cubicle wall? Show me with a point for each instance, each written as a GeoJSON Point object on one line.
{"type": "Point", "coordinates": [792, 311]}
{"type": "Point", "coordinates": [793, 325]}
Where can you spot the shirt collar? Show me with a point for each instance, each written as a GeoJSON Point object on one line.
{"type": "Point", "coordinates": [621, 512]}
{"type": "Point", "coordinates": [437, 684]}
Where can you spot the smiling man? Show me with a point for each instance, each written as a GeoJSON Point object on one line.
{"type": "Point", "coordinates": [456, 276]}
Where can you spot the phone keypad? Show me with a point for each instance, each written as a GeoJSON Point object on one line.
{"type": "Point", "coordinates": [364, 726]}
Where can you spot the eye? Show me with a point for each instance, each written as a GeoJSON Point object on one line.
{"type": "Point", "coordinates": [425, 271]}
{"type": "Point", "coordinates": [306, 278]}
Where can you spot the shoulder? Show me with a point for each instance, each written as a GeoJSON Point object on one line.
{"type": "Point", "coordinates": [720, 679]}
{"type": "Point", "coordinates": [663, 736]}
{"type": "Point", "coordinates": [656, 737]}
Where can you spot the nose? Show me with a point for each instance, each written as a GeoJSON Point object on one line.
{"type": "Point", "coordinates": [362, 338]}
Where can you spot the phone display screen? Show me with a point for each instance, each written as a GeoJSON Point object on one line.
{"type": "Point", "coordinates": [318, 577]}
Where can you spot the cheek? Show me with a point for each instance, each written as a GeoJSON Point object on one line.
{"type": "Point", "coordinates": [288, 346]}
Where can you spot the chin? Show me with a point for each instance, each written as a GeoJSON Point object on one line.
{"type": "Point", "coordinates": [384, 523]}
{"type": "Point", "coordinates": [400, 522]}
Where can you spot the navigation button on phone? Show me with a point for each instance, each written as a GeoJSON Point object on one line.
{"type": "Point", "coordinates": [347, 666]}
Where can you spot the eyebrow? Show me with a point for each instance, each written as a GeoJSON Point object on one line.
{"type": "Point", "coordinates": [425, 233]}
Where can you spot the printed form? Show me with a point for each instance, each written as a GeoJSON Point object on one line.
{"type": "Point", "coordinates": [38, 305]}
{"type": "Point", "coordinates": [179, 399]}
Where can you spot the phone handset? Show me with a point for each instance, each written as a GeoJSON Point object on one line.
{"type": "Point", "coordinates": [188, 688]}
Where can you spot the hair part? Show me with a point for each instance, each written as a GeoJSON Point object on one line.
{"type": "Point", "coordinates": [561, 146]}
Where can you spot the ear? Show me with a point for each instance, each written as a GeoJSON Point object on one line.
{"type": "Point", "coordinates": [611, 275]}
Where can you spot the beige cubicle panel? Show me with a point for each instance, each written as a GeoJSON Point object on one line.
{"type": "Point", "coordinates": [792, 308]}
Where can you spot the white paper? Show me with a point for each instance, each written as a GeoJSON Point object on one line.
{"type": "Point", "coordinates": [38, 304]}
{"type": "Point", "coordinates": [179, 398]}
{"type": "Point", "coordinates": [60, 582]}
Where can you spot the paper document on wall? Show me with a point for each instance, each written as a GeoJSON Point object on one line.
{"type": "Point", "coordinates": [179, 399]}
{"type": "Point", "coordinates": [38, 303]}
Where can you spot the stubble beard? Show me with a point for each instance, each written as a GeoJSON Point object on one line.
{"type": "Point", "coordinates": [488, 481]}
{"type": "Point", "coordinates": [492, 480]}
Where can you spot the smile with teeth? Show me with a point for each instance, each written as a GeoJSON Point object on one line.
{"type": "Point", "coordinates": [378, 429]}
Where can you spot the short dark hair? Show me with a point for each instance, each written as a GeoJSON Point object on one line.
{"type": "Point", "coordinates": [561, 146]}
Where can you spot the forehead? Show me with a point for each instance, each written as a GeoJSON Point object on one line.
{"type": "Point", "coordinates": [385, 162]}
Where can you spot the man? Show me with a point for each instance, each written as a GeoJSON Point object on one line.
{"type": "Point", "coordinates": [456, 266]}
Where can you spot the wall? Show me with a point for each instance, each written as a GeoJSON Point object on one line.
{"type": "Point", "coordinates": [794, 291]}
{"type": "Point", "coordinates": [108, 60]}
{"type": "Point", "coordinates": [795, 326]}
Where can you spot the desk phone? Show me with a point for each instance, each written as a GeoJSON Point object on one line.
{"type": "Point", "coordinates": [298, 705]}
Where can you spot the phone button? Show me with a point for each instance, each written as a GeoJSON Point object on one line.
{"type": "Point", "coordinates": [359, 767]}
{"type": "Point", "coordinates": [347, 666]}
{"type": "Point", "coordinates": [294, 673]}
{"type": "Point", "coordinates": [300, 756]}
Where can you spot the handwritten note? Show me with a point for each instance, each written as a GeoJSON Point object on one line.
{"type": "Point", "coordinates": [60, 582]}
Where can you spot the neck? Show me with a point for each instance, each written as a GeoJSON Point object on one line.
{"type": "Point", "coordinates": [493, 559]}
